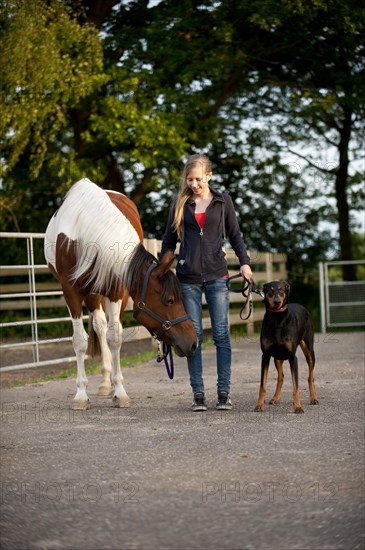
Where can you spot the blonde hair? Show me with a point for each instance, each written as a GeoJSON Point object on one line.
{"type": "Point", "coordinates": [185, 191]}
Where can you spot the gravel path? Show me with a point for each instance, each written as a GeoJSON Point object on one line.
{"type": "Point", "coordinates": [158, 476]}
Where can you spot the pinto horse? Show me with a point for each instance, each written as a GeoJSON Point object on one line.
{"type": "Point", "coordinates": [94, 247]}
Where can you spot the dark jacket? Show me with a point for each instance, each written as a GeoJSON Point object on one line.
{"type": "Point", "coordinates": [201, 257]}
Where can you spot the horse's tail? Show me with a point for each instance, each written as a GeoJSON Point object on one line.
{"type": "Point", "coordinates": [93, 344]}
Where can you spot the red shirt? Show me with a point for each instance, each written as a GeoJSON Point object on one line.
{"type": "Point", "coordinates": [200, 218]}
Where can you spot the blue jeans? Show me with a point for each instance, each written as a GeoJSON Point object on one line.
{"type": "Point", "coordinates": [217, 297]}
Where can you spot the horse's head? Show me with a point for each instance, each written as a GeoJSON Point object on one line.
{"type": "Point", "coordinates": [159, 307]}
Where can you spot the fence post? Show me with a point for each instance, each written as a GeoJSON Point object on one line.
{"type": "Point", "coordinates": [152, 246]}
{"type": "Point", "coordinates": [269, 266]}
{"type": "Point", "coordinates": [33, 299]}
{"type": "Point", "coordinates": [322, 297]}
{"type": "Point", "coordinates": [250, 326]}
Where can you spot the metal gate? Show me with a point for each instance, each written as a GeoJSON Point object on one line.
{"type": "Point", "coordinates": [29, 294]}
{"type": "Point", "coordinates": [342, 302]}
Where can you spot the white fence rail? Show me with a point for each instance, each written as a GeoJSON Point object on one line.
{"type": "Point", "coordinates": [30, 290]}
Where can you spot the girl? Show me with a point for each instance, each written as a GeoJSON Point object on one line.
{"type": "Point", "coordinates": [202, 218]}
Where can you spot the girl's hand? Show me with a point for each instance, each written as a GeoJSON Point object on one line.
{"type": "Point", "coordinates": [246, 272]}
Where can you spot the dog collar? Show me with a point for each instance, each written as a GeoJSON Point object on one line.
{"type": "Point", "coordinates": [280, 310]}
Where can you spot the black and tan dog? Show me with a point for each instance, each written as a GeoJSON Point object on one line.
{"type": "Point", "coordinates": [284, 328]}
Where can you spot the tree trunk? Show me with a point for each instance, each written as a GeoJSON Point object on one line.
{"type": "Point", "coordinates": [349, 272]}
{"type": "Point", "coordinates": [143, 187]}
{"type": "Point", "coordinates": [98, 10]}
{"type": "Point", "coordinates": [114, 179]}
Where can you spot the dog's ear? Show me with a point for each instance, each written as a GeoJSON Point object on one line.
{"type": "Point", "coordinates": [265, 287]}
{"type": "Point", "coordinates": [265, 290]}
{"type": "Point", "coordinates": [287, 288]}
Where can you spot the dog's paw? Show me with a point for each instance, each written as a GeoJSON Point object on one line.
{"type": "Point", "coordinates": [314, 402]}
{"type": "Point", "coordinates": [298, 410]}
{"type": "Point", "coordinates": [274, 401]}
{"type": "Point", "coordinates": [259, 407]}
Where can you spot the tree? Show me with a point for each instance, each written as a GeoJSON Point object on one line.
{"type": "Point", "coordinates": [324, 89]}
{"type": "Point", "coordinates": [130, 89]}
{"type": "Point", "coordinates": [49, 64]}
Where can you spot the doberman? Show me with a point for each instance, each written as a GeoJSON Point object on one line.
{"type": "Point", "coordinates": [284, 328]}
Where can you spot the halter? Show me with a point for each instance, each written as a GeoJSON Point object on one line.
{"type": "Point", "coordinates": [165, 324]}
{"type": "Point", "coordinates": [246, 290]}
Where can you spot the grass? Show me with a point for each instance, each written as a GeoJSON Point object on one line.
{"type": "Point", "coordinates": [125, 362]}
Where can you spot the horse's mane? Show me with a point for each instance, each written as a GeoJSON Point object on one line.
{"type": "Point", "coordinates": [109, 252]}
{"type": "Point", "coordinates": [141, 258]}
{"type": "Point", "coordinates": [170, 286]}
{"type": "Point", "coordinates": [106, 241]}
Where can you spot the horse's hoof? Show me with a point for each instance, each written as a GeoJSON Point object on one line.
{"type": "Point", "coordinates": [104, 390]}
{"type": "Point", "coordinates": [121, 402]}
{"type": "Point", "coordinates": [78, 405]}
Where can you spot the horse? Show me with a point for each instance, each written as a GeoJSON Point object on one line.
{"type": "Point", "coordinates": [94, 246]}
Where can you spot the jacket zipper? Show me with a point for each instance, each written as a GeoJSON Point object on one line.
{"type": "Point", "coordinates": [201, 242]}
{"type": "Point", "coordinates": [201, 233]}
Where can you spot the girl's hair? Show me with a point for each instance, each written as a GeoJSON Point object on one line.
{"type": "Point", "coordinates": [185, 191]}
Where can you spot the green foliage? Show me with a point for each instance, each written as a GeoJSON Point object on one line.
{"type": "Point", "coordinates": [92, 369]}
{"type": "Point", "coordinates": [359, 246]}
{"type": "Point", "coordinates": [254, 84]}
{"type": "Point", "coordinates": [54, 65]}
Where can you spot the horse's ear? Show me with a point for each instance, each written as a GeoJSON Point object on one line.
{"type": "Point", "coordinates": [164, 263]}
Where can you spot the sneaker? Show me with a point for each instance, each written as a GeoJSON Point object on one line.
{"type": "Point", "coordinates": [224, 401]}
{"type": "Point", "coordinates": [199, 403]}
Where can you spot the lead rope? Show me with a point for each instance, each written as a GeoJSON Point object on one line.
{"type": "Point", "coordinates": [248, 287]}
{"type": "Point", "coordinates": [164, 352]}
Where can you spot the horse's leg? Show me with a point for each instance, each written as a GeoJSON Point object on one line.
{"type": "Point", "coordinates": [114, 338]}
{"type": "Point", "coordinates": [79, 341]}
{"type": "Point", "coordinates": [99, 325]}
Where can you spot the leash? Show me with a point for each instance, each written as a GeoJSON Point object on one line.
{"type": "Point", "coordinates": [164, 353]}
{"type": "Point", "coordinates": [247, 288]}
